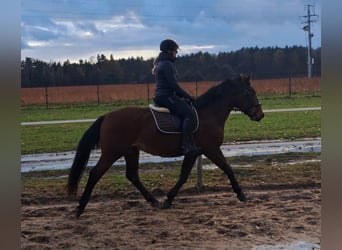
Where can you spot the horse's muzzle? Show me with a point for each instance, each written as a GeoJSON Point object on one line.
{"type": "Point", "coordinates": [256, 113]}
{"type": "Point", "coordinates": [259, 116]}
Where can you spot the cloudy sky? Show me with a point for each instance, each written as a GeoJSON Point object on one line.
{"type": "Point", "coordinates": [57, 30]}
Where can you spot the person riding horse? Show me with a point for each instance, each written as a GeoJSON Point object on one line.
{"type": "Point", "coordinates": [170, 95]}
{"type": "Point", "coordinates": [107, 133]}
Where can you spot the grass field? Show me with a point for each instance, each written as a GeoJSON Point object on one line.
{"type": "Point", "coordinates": [64, 137]}
{"type": "Point", "coordinates": [92, 110]}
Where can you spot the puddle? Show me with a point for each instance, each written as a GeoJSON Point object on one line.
{"type": "Point", "coordinates": [58, 161]}
{"type": "Point", "coordinates": [294, 246]}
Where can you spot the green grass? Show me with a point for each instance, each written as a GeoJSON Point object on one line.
{"type": "Point", "coordinates": [51, 138]}
{"type": "Point", "coordinates": [72, 111]}
{"type": "Point", "coordinates": [93, 110]}
{"type": "Point", "coordinates": [284, 125]}
{"type": "Point", "coordinates": [297, 100]}
{"type": "Point", "coordinates": [64, 137]}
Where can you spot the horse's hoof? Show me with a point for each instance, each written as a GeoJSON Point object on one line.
{"type": "Point", "coordinates": [166, 204]}
{"type": "Point", "coordinates": [155, 204]}
{"type": "Point", "coordinates": [79, 211]}
{"type": "Point", "coordinates": [242, 197]}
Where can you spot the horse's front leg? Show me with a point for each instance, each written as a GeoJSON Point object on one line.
{"type": "Point", "coordinates": [217, 157]}
{"type": "Point", "coordinates": [187, 165]}
{"type": "Point", "coordinates": [132, 165]}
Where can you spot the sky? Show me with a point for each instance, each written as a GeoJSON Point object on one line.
{"type": "Point", "coordinates": [60, 30]}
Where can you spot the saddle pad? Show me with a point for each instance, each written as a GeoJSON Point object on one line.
{"type": "Point", "coordinates": [169, 123]}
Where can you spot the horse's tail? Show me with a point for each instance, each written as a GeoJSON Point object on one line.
{"type": "Point", "coordinates": [88, 141]}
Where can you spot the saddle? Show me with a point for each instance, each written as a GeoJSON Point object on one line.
{"type": "Point", "coordinates": [169, 123]}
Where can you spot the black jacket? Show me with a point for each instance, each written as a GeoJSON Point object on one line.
{"type": "Point", "coordinates": [166, 78]}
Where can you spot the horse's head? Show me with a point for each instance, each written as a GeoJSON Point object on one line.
{"type": "Point", "coordinates": [247, 101]}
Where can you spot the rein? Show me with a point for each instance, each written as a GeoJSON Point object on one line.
{"type": "Point", "coordinates": [249, 109]}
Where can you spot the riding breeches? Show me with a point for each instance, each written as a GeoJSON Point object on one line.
{"type": "Point", "coordinates": [177, 106]}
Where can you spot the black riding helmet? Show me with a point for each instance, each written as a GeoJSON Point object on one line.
{"type": "Point", "coordinates": [168, 45]}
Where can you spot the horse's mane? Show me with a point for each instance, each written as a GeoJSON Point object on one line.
{"type": "Point", "coordinates": [213, 94]}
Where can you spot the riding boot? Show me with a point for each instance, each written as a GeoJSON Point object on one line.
{"type": "Point", "coordinates": [188, 145]}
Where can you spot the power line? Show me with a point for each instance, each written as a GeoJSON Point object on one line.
{"type": "Point", "coordinates": [308, 20]}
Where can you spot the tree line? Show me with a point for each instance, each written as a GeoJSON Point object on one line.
{"type": "Point", "coordinates": [264, 63]}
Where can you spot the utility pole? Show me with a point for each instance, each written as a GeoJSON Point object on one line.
{"type": "Point", "coordinates": [309, 18]}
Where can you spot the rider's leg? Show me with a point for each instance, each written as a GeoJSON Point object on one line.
{"type": "Point", "coordinates": [181, 108]}
{"type": "Point", "coordinates": [188, 145]}
{"type": "Point", "coordinates": [189, 117]}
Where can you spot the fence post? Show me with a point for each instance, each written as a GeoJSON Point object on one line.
{"type": "Point", "coordinates": [148, 92]}
{"type": "Point", "coordinates": [196, 88]}
{"type": "Point", "coordinates": [46, 97]}
{"type": "Point", "coordinates": [290, 87]}
{"type": "Point", "coordinates": [199, 182]}
{"type": "Point", "coordinates": [98, 93]}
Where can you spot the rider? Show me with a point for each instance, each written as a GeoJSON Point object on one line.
{"type": "Point", "coordinates": [170, 95]}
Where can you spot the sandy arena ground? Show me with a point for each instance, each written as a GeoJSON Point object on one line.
{"type": "Point", "coordinates": [214, 219]}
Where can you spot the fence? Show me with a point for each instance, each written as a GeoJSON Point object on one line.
{"type": "Point", "coordinates": [109, 93]}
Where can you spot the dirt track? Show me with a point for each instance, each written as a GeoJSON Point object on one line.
{"type": "Point", "coordinates": [214, 219]}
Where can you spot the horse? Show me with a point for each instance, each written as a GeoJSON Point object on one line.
{"type": "Point", "coordinates": [126, 131]}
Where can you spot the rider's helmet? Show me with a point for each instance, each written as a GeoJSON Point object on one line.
{"type": "Point", "coordinates": [168, 45]}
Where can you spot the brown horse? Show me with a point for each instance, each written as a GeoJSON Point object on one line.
{"type": "Point", "coordinates": [126, 131]}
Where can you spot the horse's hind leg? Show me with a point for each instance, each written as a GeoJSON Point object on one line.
{"type": "Point", "coordinates": [132, 165]}
{"type": "Point", "coordinates": [187, 165]}
{"type": "Point", "coordinates": [217, 157]}
{"type": "Point", "coordinates": [104, 163]}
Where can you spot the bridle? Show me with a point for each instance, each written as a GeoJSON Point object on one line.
{"type": "Point", "coordinates": [249, 111]}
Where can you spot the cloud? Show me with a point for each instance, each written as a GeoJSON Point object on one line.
{"type": "Point", "coordinates": [77, 29]}
{"type": "Point", "coordinates": [24, 44]}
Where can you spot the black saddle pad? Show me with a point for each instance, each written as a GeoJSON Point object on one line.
{"type": "Point", "coordinates": [169, 123]}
